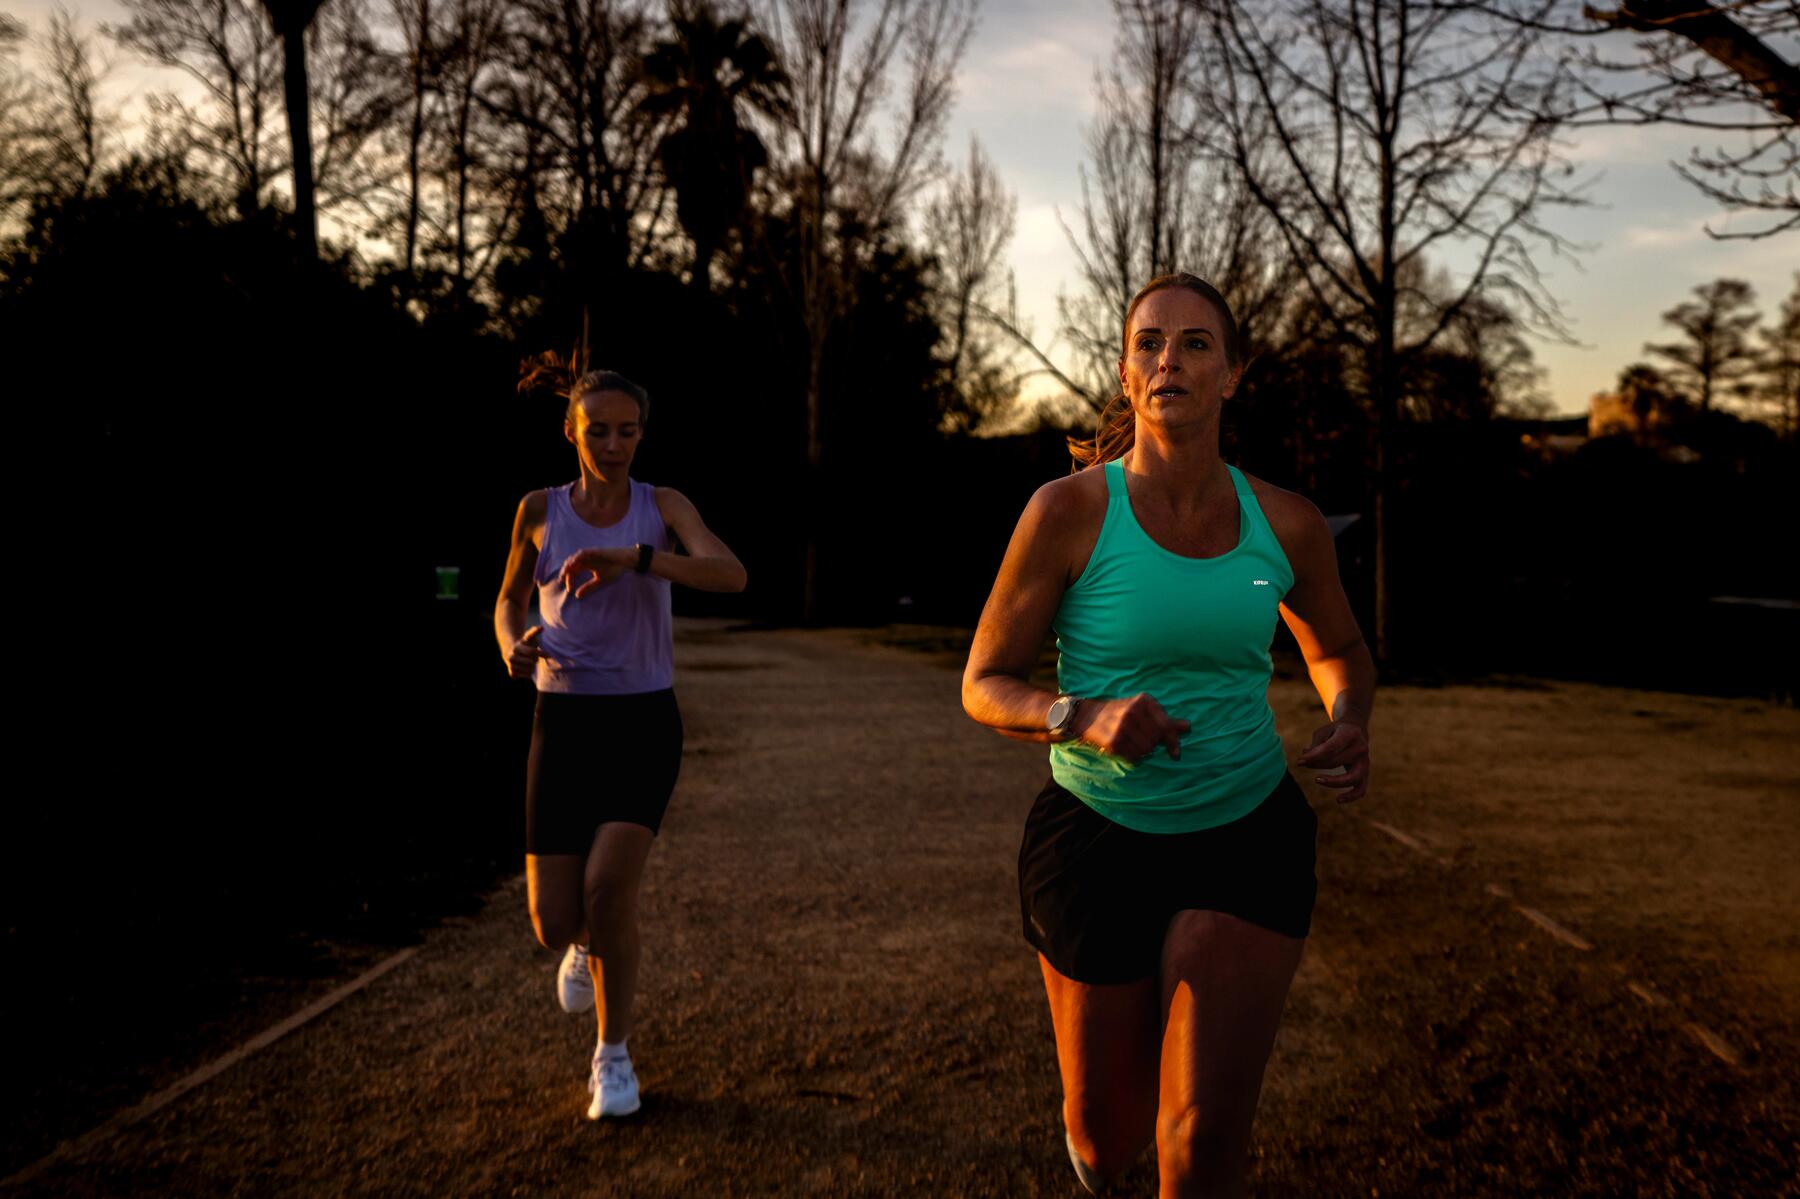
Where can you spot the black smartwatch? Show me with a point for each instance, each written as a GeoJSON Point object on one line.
{"type": "Point", "coordinates": [645, 553]}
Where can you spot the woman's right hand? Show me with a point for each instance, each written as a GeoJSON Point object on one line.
{"type": "Point", "coordinates": [522, 659]}
{"type": "Point", "coordinates": [1128, 728]}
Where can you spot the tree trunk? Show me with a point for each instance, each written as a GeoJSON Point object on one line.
{"type": "Point", "coordinates": [416, 135]}
{"type": "Point", "coordinates": [306, 226]}
{"type": "Point", "coordinates": [815, 478]}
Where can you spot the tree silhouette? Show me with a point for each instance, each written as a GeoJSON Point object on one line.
{"type": "Point", "coordinates": [1696, 64]}
{"type": "Point", "coordinates": [1716, 355]}
{"type": "Point", "coordinates": [703, 79]}
{"type": "Point", "coordinates": [227, 49]}
{"type": "Point", "coordinates": [1375, 133]}
{"type": "Point", "coordinates": [1780, 389]}
{"type": "Point", "coordinates": [847, 186]}
{"type": "Point", "coordinates": [290, 19]}
{"type": "Point", "coordinates": [967, 228]}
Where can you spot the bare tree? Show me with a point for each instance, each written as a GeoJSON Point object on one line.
{"type": "Point", "coordinates": [1154, 202]}
{"type": "Point", "coordinates": [1480, 366]}
{"type": "Point", "coordinates": [1135, 188]}
{"type": "Point", "coordinates": [55, 134]}
{"type": "Point", "coordinates": [848, 184]}
{"type": "Point", "coordinates": [477, 198]}
{"type": "Point", "coordinates": [1715, 67]}
{"type": "Point", "coordinates": [1715, 356]}
{"type": "Point", "coordinates": [967, 228]}
{"type": "Point", "coordinates": [1374, 133]}
{"type": "Point", "coordinates": [415, 67]}
{"type": "Point", "coordinates": [568, 106]}
{"type": "Point", "coordinates": [19, 156]}
{"type": "Point", "coordinates": [354, 95]}
{"type": "Point", "coordinates": [291, 19]}
{"type": "Point", "coordinates": [448, 186]}
{"type": "Point", "coordinates": [77, 131]}
{"type": "Point", "coordinates": [229, 49]}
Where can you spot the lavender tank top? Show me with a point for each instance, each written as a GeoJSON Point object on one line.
{"type": "Point", "coordinates": [616, 639]}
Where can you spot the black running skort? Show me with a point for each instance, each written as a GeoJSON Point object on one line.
{"type": "Point", "coordinates": [596, 759]}
{"type": "Point", "coordinates": [1097, 897]}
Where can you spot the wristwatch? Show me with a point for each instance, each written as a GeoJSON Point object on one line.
{"type": "Point", "coordinates": [1061, 714]}
{"type": "Point", "coordinates": [645, 553]}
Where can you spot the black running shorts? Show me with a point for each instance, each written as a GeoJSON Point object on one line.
{"type": "Point", "coordinates": [595, 759]}
{"type": "Point", "coordinates": [1097, 897]}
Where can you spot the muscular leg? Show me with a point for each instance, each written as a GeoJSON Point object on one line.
{"type": "Point", "coordinates": [615, 868]}
{"type": "Point", "coordinates": [553, 882]}
{"type": "Point", "coordinates": [1106, 1047]}
{"type": "Point", "coordinates": [1224, 981]}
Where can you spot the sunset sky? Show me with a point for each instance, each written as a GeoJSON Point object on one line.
{"type": "Point", "coordinates": [1025, 91]}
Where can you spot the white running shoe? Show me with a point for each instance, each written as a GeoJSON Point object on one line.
{"type": "Point", "coordinates": [615, 1087]}
{"type": "Point", "coordinates": [574, 985]}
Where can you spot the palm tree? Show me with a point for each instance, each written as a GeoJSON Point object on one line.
{"type": "Point", "coordinates": [701, 79]}
{"type": "Point", "coordinates": [290, 18]}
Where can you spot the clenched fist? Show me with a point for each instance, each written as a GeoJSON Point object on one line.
{"type": "Point", "coordinates": [1130, 728]}
{"type": "Point", "coordinates": [522, 658]}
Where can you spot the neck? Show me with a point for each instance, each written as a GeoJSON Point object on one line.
{"type": "Point", "coordinates": [599, 494]}
{"type": "Point", "coordinates": [1183, 465]}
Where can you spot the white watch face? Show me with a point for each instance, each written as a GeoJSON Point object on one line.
{"type": "Point", "coordinates": [1059, 713]}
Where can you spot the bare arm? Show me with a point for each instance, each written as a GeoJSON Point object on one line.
{"type": "Point", "coordinates": [1016, 619]}
{"type": "Point", "coordinates": [1049, 548]}
{"type": "Point", "coordinates": [708, 564]}
{"type": "Point", "coordinates": [518, 645]}
{"type": "Point", "coordinates": [1342, 670]}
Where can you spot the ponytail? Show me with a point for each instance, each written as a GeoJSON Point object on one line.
{"type": "Point", "coordinates": [1114, 432]}
{"type": "Point", "coordinates": [570, 379]}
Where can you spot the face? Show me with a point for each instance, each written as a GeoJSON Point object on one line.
{"type": "Point", "coordinates": [605, 430]}
{"type": "Point", "coordinates": [1174, 370]}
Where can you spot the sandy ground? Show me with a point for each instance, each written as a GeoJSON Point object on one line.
{"type": "Point", "coordinates": [836, 999]}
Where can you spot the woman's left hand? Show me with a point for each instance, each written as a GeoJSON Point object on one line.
{"type": "Point", "coordinates": [604, 565]}
{"type": "Point", "coordinates": [1340, 743]}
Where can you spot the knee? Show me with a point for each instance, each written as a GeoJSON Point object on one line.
{"type": "Point", "coordinates": [1106, 1144]}
{"type": "Point", "coordinates": [1195, 1143]}
{"type": "Point", "coordinates": [610, 905]}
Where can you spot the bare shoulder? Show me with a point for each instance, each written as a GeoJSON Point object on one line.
{"type": "Point", "coordinates": [1061, 524]}
{"type": "Point", "coordinates": [532, 510]}
{"type": "Point", "coordinates": [671, 502]}
{"type": "Point", "coordinates": [1296, 521]}
{"type": "Point", "coordinates": [1071, 498]}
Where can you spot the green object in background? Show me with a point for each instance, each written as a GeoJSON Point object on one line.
{"type": "Point", "coordinates": [449, 579]}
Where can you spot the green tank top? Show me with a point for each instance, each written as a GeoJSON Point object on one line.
{"type": "Point", "coordinates": [1193, 633]}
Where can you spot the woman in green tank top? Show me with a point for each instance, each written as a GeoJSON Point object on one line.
{"type": "Point", "coordinates": [1166, 877]}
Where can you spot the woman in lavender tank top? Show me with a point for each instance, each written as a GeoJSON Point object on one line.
{"type": "Point", "coordinates": [602, 552]}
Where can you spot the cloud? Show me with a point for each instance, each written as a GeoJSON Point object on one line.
{"type": "Point", "coordinates": [1028, 80]}
{"type": "Point", "coordinates": [1683, 233]}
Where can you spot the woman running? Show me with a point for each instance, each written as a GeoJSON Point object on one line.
{"type": "Point", "coordinates": [606, 738]}
{"type": "Point", "coordinates": [1166, 875]}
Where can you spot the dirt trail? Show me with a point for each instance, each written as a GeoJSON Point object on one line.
{"type": "Point", "coordinates": [836, 1000]}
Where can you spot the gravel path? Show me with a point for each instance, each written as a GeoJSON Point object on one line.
{"type": "Point", "coordinates": [836, 999]}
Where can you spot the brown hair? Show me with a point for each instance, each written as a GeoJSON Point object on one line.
{"type": "Point", "coordinates": [1116, 427]}
{"type": "Point", "coordinates": [571, 379]}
